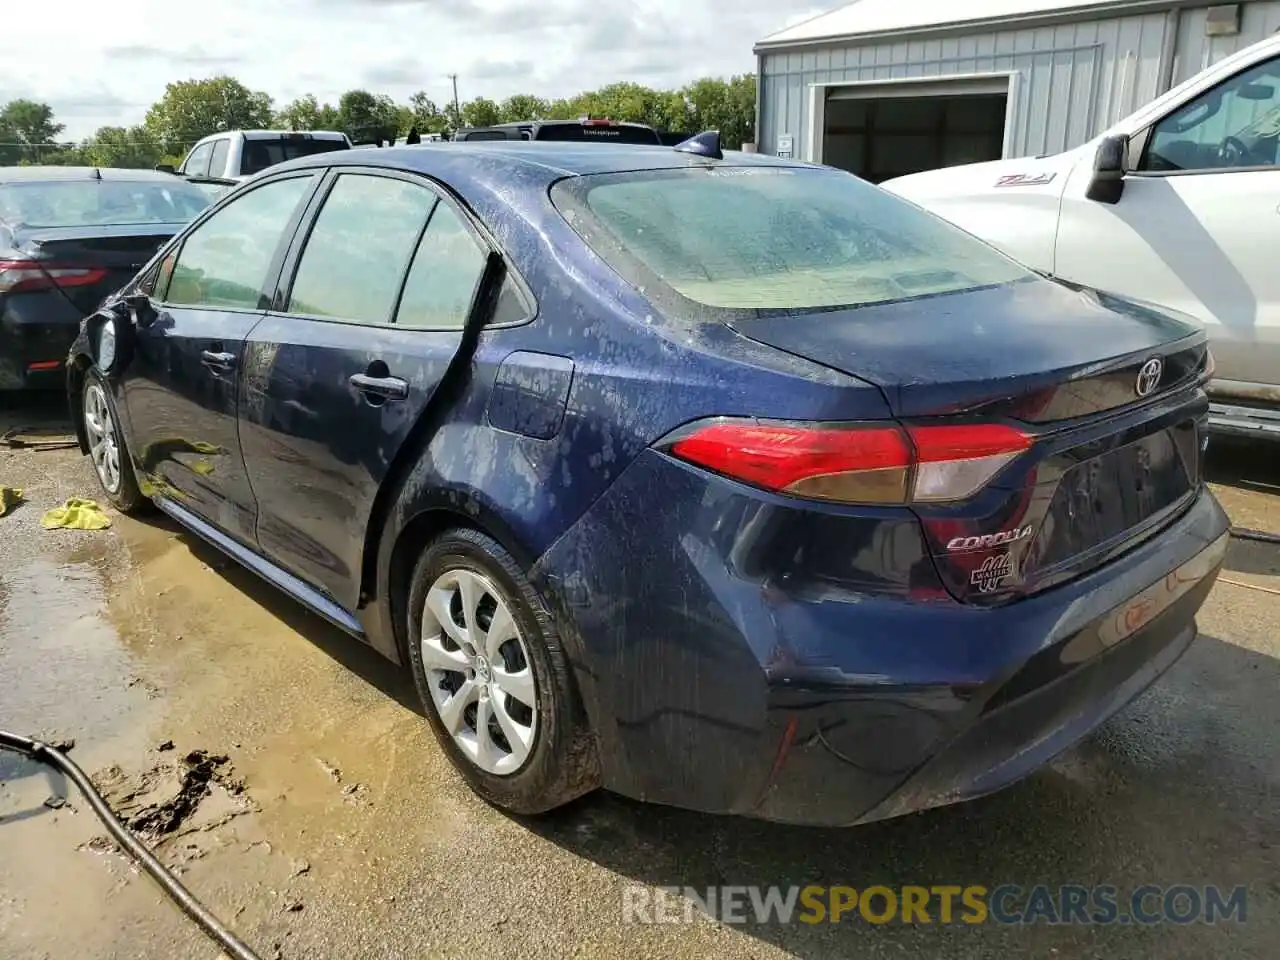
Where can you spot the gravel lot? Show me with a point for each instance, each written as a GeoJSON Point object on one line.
{"type": "Point", "coordinates": [335, 828]}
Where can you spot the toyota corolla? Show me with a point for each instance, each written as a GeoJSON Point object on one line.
{"type": "Point", "coordinates": [716, 480]}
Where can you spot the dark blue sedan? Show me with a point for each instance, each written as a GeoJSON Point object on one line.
{"type": "Point", "coordinates": [68, 237]}
{"type": "Point", "coordinates": [719, 481]}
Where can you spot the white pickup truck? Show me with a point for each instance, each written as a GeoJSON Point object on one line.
{"type": "Point", "coordinates": [1177, 205]}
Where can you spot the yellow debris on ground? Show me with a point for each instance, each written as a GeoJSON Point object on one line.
{"type": "Point", "coordinates": [10, 497]}
{"type": "Point", "coordinates": [76, 514]}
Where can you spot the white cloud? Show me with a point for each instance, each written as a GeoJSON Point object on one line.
{"type": "Point", "coordinates": [102, 63]}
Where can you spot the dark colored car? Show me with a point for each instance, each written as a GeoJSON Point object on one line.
{"type": "Point", "coordinates": [585, 130]}
{"type": "Point", "coordinates": [68, 237]}
{"type": "Point", "coordinates": [737, 484]}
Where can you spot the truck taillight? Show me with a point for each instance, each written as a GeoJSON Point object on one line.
{"type": "Point", "coordinates": [868, 463]}
{"type": "Point", "coordinates": [26, 276]}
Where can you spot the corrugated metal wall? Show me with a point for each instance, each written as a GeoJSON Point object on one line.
{"type": "Point", "coordinates": [1074, 79]}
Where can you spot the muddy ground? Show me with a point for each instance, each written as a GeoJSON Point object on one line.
{"type": "Point", "coordinates": [321, 820]}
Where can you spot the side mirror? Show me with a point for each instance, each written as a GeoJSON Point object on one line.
{"type": "Point", "coordinates": [1110, 164]}
{"type": "Point", "coordinates": [139, 304]}
{"type": "Point", "coordinates": [165, 168]}
{"type": "Point", "coordinates": [1255, 91]}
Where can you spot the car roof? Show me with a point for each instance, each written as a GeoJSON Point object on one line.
{"type": "Point", "coordinates": [492, 160]}
{"type": "Point", "coordinates": [518, 124]}
{"type": "Point", "coordinates": [51, 173]}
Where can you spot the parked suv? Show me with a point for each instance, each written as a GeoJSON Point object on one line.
{"type": "Point", "coordinates": [1174, 205]}
{"type": "Point", "coordinates": [583, 130]}
{"type": "Point", "coordinates": [239, 154]}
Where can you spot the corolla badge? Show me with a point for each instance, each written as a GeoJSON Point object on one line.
{"type": "Point", "coordinates": [1149, 376]}
{"type": "Point", "coordinates": [993, 572]}
{"type": "Point", "coordinates": [986, 540]}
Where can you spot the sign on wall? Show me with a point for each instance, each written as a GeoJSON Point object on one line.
{"type": "Point", "coordinates": [786, 146]}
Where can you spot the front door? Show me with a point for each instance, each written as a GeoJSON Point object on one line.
{"type": "Point", "coordinates": [1198, 223]}
{"type": "Point", "coordinates": [181, 385]}
{"type": "Point", "coordinates": [336, 381]}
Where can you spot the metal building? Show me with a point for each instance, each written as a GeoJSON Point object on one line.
{"type": "Point", "coordinates": [890, 87]}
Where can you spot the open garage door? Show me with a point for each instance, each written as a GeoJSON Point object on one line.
{"type": "Point", "coordinates": [880, 131]}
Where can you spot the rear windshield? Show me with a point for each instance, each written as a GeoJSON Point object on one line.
{"type": "Point", "coordinates": [260, 154]}
{"type": "Point", "coordinates": [75, 203]}
{"type": "Point", "coordinates": [771, 239]}
{"type": "Point", "coordinates": [581, 133]}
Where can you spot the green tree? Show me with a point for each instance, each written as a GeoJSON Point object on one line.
{"type": "Point", "coordinates": [28, 132]}
{"type": "Point", "coordinates": [425, 115]}
{"type": "Point", "coordinates": [131, 147]}
{"type": "Point", "coordinates": [192, 109]}
{"type": "Point", "coordinates": [522, 106]}
{"type": "Point", "coordinates": [365, 116]}
{"type": "Point", "coordinates": [725, 105]}
{"type": "Point", "coordinates": [306, 113]}
{"type": "Point", "coordinates": [480, 112]}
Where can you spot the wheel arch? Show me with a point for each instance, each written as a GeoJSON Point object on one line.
{"type": "Point", "coordinates": [434, 515]}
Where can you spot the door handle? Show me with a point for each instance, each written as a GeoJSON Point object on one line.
{"type": "Point", "coordinates": [217, 360]}
{"type": "Point", "coordinates": [384, 388]}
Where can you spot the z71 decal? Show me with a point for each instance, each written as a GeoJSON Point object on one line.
{"type": "Point", "coordinates": [1025, 179]}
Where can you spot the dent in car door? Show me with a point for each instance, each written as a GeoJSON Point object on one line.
{"type": "Point", "coordinates": [380, 295]}
{"type": "Point", "coordinates": [181, 383]}
{"type": "Point", "coordinates": [1198, 223]}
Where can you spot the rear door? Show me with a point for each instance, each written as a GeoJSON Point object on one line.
{"type": "Point", "coordinates": [181, 384]}
{"type": "Point", "coordinates": [370, 317]}
{"type": "Point", "coordinates": [1198, 224]}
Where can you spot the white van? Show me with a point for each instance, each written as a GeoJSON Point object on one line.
{"type": "Point", "coordinates": [1177, 205]}
{"type": "Point", "coordinates": [239, 154]}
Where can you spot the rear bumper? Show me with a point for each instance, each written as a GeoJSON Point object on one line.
{"type": "Point", "coordinates": [1239, 420]}
{"type": "Point", "coordinates": [36, 329]}
{"type": "Point", "coordinates": [717, 685]}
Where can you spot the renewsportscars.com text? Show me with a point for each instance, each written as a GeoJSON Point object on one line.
{"type": "Point", "coordinates": [1008, 904]}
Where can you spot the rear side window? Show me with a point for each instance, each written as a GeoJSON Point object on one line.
{"type": "Point", "coordinates": [445, 274]}
{"type": "Point", "coordinates": [774, 239]}
{"type": "Point", "coordinates": [359, 248]}
{"type": "Point", "coordinates": [224, 261]}
{"type": "Point", "coordinates": [218, 165]}
{"type": "Point", "coordinates": [260, 154]}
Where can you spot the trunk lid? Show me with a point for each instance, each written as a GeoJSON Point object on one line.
{"type": "Point", "coordinates": [119, 251]}
{"type": "Point", "coordinates": [1116, 443]}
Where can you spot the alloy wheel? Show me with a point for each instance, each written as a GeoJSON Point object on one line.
{"type": "Point", "coordinates": [479, 671]}
{"type": "Point", "coordinates": [101, 431]}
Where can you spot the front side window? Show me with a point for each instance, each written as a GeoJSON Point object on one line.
{"type": "Point", "coordinates": [444, 277]}
{"type": "Point", "coordinates": [357, 252]}
{"type": "Point", "coordinates": [1236, 124]}
{"type": "Point", "coordinates": [775, 239]}
{"type": "Point", "coordinates": [224, 261]}
{"type": "Point", "coordinates": [198, 163]}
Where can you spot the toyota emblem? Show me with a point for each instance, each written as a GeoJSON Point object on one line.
{"type": "Point", "coordinates": [1149, 376]}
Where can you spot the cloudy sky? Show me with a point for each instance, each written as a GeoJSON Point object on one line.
{"type": "Point", "coordinates": [106, 61]}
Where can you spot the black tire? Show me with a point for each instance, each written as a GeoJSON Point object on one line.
{"type": "Point", "coordinates": [562, 763]}
{"type": "Point", "coordinates": [126, 498]}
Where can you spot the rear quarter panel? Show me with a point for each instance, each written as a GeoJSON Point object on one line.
{"type": "Point", "coordinates": [634, 375]}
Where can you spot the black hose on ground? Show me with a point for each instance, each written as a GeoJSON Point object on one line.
{"type": "Point", "coordinates": [1261, 536]}
{"type": "Point", "coordinates": [131, 845]}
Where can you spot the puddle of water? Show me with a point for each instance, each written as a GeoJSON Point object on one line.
{"type": "Point", "coordinates": [65, 672]}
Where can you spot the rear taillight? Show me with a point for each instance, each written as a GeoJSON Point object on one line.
{"type": "Point", "coordinates": [1210, 367]}
{"type": "Point", "coordinates": [872, 463]}
{"type": "Point", "coordinates": [25, 276]}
